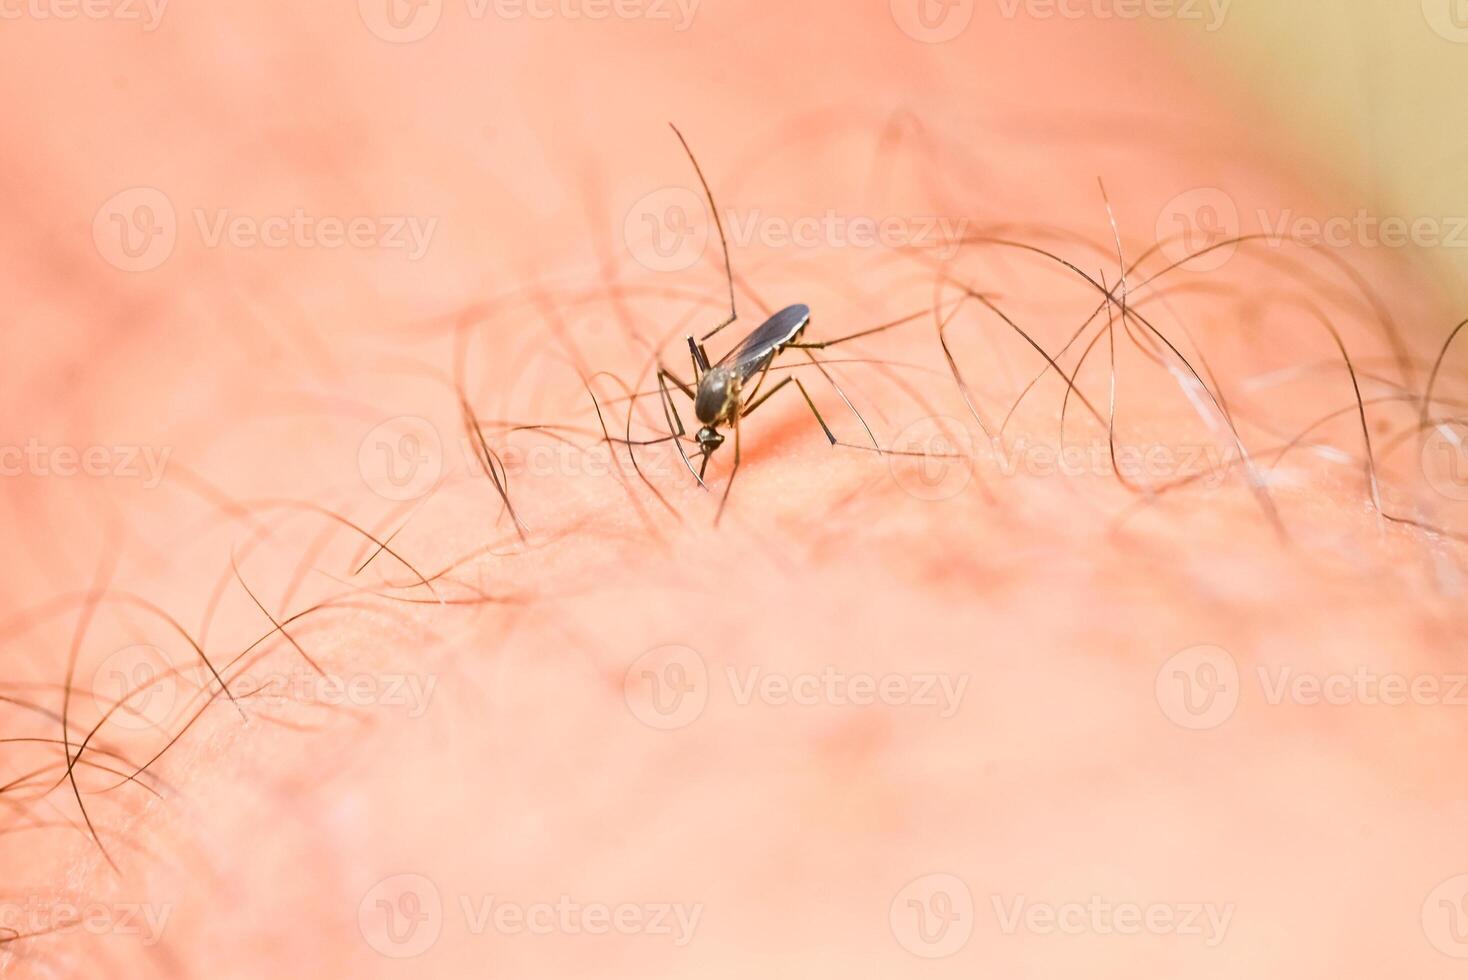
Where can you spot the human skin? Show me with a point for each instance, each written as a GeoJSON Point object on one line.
{"type": "Point", "coordinates": [1066, 769]}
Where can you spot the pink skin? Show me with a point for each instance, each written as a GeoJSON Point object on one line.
{"type": "Point", "coordinates": [1102, 815]}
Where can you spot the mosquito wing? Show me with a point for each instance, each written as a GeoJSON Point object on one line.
{"type": "Point", "coordinates": [755, 351]}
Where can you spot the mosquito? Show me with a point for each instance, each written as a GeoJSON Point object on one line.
{"type": "Point", "coordinates": [727, 391]}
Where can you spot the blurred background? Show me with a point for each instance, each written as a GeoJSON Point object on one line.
{"type": "Point", "coordinates": [1373, 88]}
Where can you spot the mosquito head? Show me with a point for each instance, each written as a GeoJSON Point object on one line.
{"type": "Point", "coordinates": [709, 439]}
{"type": "Point", "coordinates": [718, 394]}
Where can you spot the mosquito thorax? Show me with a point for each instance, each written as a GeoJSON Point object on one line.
{"type": "Point", "coordinates": [718, 393]}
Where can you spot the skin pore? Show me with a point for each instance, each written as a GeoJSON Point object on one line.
{"type": "Point", "coordinates": [1008, 715]}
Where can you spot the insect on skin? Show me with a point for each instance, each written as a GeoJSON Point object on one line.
{"type": "Point", "coordinates": [725, 392]}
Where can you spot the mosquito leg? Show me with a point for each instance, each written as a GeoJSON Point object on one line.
{"type": "Point", "coordinates": [682, 385]}
{"type": "Point", "coordinates": [732, 474]}
{"type": "Point", "coordinates": [700, 358]}
{"type": "Point", "coordinates": [717, 329]}
{"type": "Point", "coordinates": [819, 344]}
{"type": "Point", "coordinates": [670, 410]}
{"type": "Point", "coordinates": [764, 373]}
{"type": "Point", "coordinates": [816, 411]}
{"type": "Point", "coordinates": [808, 400]}
{"type": "Point", "coordinates": [831, 437]}
{"type": "Point", "coordinates": [675, 423]}
{"type": "Point", "coordinates": [748, 409]}
{"type": "Point", "coordinates": [719, 224]}
{"type": "Point", "coordinates": [832, 381]}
